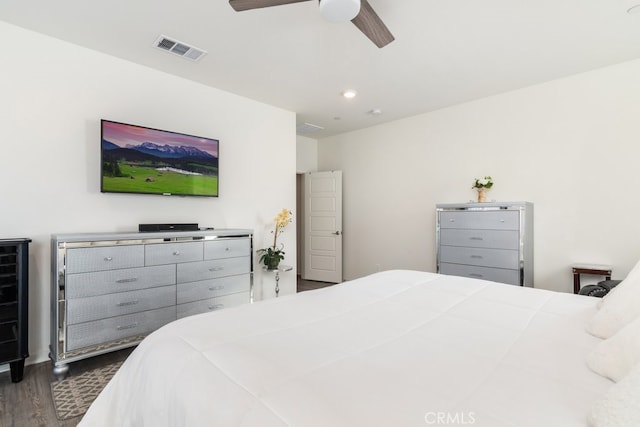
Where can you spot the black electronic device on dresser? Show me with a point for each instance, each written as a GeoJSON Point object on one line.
{"type": "Point", "coordinates": [14, 303]}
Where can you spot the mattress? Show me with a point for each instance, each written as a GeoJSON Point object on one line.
{"type": "Point", "coordinates": [397, 348]}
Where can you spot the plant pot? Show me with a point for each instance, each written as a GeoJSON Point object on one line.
{"type": "Point", "coordinates": [482, 195]}
{"type": "Point", "coordinates": [272, 263]}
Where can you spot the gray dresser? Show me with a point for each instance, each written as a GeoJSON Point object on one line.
{"type": "Point", "coordinates": [490, 241]}
{"type": "Point", "coordinates": [110, 290]}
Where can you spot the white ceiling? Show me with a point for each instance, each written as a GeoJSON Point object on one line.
{"type": "Point", "coordinates": [446, 51]}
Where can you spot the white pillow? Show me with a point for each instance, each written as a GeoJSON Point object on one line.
{"type": "Point", "coordinates": [618, 308]}
{"type": "Point", "coordinates": [603, 299]}
{"type": "Point", "coordinates": [634, 271]}
{"type": "Point", "coordinates": [615, 357]}
{"type": "Point", "coordinates": [620, 406]}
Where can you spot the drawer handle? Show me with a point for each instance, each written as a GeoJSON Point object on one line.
{"type": "Point", "coordinates": [227, 249]}
{"type": "Point", "coordinates": [502, 220]}
{"type": "Point", "coordinates": [476, 256]}
{"type": "Point", "coordinates": [108, 258]}
{"type": "Point", "coordinates": [476, 238]}
{"type": "Point", "coordinates": [475, 274]}
{"type": "Point", "coordinates": [130, 280]}
{"type": "Point", "coordinates": [130, 326]}
{"type": "Point", "coordinates": [216, 288]}
{"type": "Point", "coordinates": [216, 306]}
{"type": "Point", "coordinates": [124, 304]}
{"type": "Point", "coordinates": [216, 269]}
{"type": "Point", "coordinates": [176, 253]}
{"type": "Point", "coordinates": [452, 220]}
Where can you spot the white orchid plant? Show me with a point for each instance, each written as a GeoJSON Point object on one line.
{"type": "Point", "coordinates": [272, 255]}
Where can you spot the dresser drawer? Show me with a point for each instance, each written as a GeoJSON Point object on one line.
{"type": "Point", "coordinates": [491, 220]}
{"type": "Point", "coordinates": [107, 282]}
{"type": "Point", "coordinates": [204, 289]}
{"type": "Point", "coordinates": [501, 275]}
{"type": "Point", "coordinates": [213, 304]}
{"type": "Point", "coordinates": [227, 248]}
{"type": "Point", "coordinates": [81, 260]}
{"type": "Point", "coordinates": [116, 328]}
{"type": "Point", "coordinates": [501, 258]}
{"type": "Point", "coordinates": [497, 239]}
{"type": "Point", "coordinates": [171, 253]}
{"type": "Point", "coordinates": [99, 307]}
{"type": "Point", "coordinates": [196, 271]}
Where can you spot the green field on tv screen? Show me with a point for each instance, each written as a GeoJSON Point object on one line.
{"type": "Point", "coordinates": [139, 179]}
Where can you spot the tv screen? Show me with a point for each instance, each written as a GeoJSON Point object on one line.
{"type": "Point", "coordinates": [137, 159]}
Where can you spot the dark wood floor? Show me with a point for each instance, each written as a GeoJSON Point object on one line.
{"type": "Point", "coordinates": [29, 402]}
{"type": "Point", "coordinates": [308, 285]}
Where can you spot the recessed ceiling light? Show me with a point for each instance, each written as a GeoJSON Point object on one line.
{"type": "Point", "coordinates": [349, 93]}
{"type": "Point", "coordinates": [634, 10]}
{"type": "Point", "coordinates": [375, 112]}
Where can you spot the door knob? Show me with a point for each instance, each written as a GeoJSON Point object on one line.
{"type": "Point", "coordinates": [337, 233]}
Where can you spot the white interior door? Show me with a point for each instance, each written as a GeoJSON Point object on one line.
{"type": "Point", "coordinates": [323, 226]}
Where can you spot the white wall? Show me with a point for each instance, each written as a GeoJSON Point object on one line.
{"type": "Point", "coordinates": [570, 146]}
{"type": "Point", "coordinates": [306, 154]}
{"type": "Point", "coordinates": [53, 97]}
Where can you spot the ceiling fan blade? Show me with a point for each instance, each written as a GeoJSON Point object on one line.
{"type": "Point", "coordinates": [372, 26]}
{"type": "Point", "coordinates": [240, 5]}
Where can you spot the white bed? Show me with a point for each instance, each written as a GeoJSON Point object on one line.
{"type": "Point", "coordinates": [398, 348]}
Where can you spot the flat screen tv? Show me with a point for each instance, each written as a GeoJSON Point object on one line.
{"type": "Point", "coordinates": [137, 159]}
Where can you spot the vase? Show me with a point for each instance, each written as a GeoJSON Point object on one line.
{"type": "Point", "coordinates": [482, 195]}
{"type": "Point", "coordinates": [272, 263]}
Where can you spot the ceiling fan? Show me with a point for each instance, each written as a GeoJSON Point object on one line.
{"type": "Point", "coordinates": [359, 12]}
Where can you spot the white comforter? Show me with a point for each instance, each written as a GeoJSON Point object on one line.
{"type": "Point", "coordinates": [398, 348]}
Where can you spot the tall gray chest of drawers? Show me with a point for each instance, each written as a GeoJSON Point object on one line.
{"type": "Point", "coordinates": [491, 241]}
{"type": "Point", "coordinates": [110, 290]}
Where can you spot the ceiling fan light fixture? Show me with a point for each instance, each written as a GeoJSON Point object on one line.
{"type": "Point", "coordinates": [339, 10]}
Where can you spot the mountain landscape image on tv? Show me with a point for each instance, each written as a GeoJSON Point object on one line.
{"type": "Point", "coordinates": [138, 159]}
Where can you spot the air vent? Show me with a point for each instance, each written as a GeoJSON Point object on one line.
{"type": "Point", "coordinates": [179, 48]}
{"type": "Point", "coordinates": [308, 128]}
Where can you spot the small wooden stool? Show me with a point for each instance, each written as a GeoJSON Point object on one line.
{"type": "Point", "coordinates": [596, 269]}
